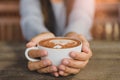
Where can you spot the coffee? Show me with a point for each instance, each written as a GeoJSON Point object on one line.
{"type": "Point", "coordinates": [59, 43]}
{"type": "Point", "coordinates": [57, 49]}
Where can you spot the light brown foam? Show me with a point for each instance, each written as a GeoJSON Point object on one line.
{"type": "Point", "coordinates": [60, 43]}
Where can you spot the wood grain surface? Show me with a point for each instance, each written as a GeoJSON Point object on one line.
{"type": "Point", "coordinates": [104, 65]}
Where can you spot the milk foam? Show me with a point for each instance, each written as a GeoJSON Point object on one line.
{"type": "Point", "coordinates": [59, 43]}
{"type": "Point", "coordinates": [57, 47]}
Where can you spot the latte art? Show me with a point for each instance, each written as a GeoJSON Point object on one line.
{"type": "Point", "coordinates": [62, 42]}
{"type": "Point", "coordinates": [59, 43]}
{"type": "Point", "coordinates": [57, 48]}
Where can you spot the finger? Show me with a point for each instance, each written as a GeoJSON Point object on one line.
{"type": "Point", "coordinates": [40, 37]}
{"type": "Point", "coordinates": [84, 40]}
{"type": "Point", "coordinates": [37, 53]}
{"type": "Point", "coordinates": [31, 44]}
{"type": "Point", "coordinates": [80, 56]}
{"type": "Point", "coordinates": [48, 69]}
{"type": "Point", "coordinates": [85, 49]}
{"type": "Point", "coordinates": [69, 70]}
{"type": "Point", "coordinates": [56, 74]}
{"type": "Point", "coordinates": [62, 73]}
{"type": "Point", "coordinates": [79, 37]}
{"type": "Point", "coordinates": [85, 45]}
{"type": "Point", "coordinates": [74, 63]}
{"type": "Point", "coordinates": [39, 64]}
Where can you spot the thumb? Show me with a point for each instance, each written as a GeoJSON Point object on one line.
{"type": "Point", "coordinates": [38, 38]}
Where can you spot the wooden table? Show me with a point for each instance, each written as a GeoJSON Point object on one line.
{"type": "Point", "coordinates": [104, 65]}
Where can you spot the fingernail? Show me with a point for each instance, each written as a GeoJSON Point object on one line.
{"type": "Point", "coordinates": [65, 62]}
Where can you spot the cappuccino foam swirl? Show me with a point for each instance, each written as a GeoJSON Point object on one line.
{"type": "Point", "coordinates": [62, 42]}
{"type": "Point", "coordinates": [57, 47]}
{"type": "Point", "coordinates": [59, 43]}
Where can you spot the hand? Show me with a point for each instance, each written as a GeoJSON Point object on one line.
{"type": "Point", "coordinates": [79, 60]}
{"type": "Point", "coordinates": [42, 66]}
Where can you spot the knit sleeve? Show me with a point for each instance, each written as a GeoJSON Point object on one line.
{"type": "Point", "coordinates": [31, 18]}
{"type": "Point", "coordinates": [81, 18]}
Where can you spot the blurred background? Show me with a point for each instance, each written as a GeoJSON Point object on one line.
{"type": "Point", "coordinates": [106, 22]}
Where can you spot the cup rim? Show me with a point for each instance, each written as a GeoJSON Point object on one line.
{"type": "Point", "coordinates": [60, 48]}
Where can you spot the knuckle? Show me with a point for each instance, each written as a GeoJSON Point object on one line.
{"type": "Point", "coordinates": [41, 64]}
{"type": "Point", "coordinates": [67, 70]}
{"type": "Point", "coordinates": [47, 62]}
{"type": "Point", "coordinates": [44, 63]}
{"type": "Point", "coordinates": [71, 63]}
{"type": "Point", "coordinates": [47, 70]}
{"type": "Point", "coordinates": [44, 70]}
{"type": "Point", "coordinates": [77, 55]}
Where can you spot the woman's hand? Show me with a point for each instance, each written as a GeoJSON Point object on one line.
{"type": "Point", "coordinates": [42, 66]}
{"type": "Point", "coordinates": [79, 60]}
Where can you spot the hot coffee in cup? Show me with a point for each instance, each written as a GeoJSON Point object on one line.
{"type": "Point", "coordinates": [57, 48]}
{"type": "Point", "coordinates": [60, 43]}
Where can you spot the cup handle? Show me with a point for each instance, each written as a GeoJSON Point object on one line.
{"type": "Point", "coordinates": [29, 58]}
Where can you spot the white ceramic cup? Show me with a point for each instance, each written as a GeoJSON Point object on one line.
{"type": "Point", "coordinates": [55, 55]}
